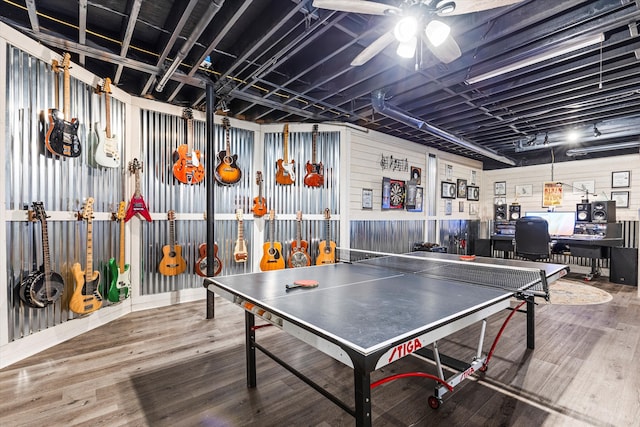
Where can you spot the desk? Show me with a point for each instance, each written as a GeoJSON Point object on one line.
{"type": "Point", "coordinates": [371, 312]}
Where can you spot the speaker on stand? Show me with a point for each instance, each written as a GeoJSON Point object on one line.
{"type": "Point", "coordinates": [500, 212]}
{"type": "Point", "coordinates": [514, 212]}
{"type": "Point", "coordinates": [583, 212]}
{"type": "Point", "coordinates": [603, 211]}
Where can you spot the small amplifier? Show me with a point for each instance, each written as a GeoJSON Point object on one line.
{"type": "Point", "coordinates": [583, 212]}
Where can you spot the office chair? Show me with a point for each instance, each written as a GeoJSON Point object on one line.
{"type": "Point", "coordinates": [532, 238]}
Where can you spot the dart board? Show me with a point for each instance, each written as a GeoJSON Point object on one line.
{"type": "Point", "coordinates": [396, 194]}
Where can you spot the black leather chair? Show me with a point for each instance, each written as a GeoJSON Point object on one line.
{"type": "Point", "coordinates": [532, 238]}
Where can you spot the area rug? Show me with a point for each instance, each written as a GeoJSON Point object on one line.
{"type": "Point", "coordinates": [568, 292]}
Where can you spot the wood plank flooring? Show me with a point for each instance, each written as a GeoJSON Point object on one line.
{"type": "Point", "coordinates": [172, 367]}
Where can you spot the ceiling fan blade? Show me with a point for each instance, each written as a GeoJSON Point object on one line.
{"type": "Point", "coordinates": [469, 6]}
{"type": "Point", "coordinates": [355, 6]}
{"type": "Point", "coordinates": [447, 52]}
{"type": "Point", "coordinates": [373, 49]}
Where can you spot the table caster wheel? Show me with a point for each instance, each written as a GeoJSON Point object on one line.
{"type": "Point", "coordinates": [434, 402]}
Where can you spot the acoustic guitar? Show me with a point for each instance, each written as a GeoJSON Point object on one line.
{"type": "Point", "coordinates": [172, 262]}
{"type": "Point", "coordinates": [42, 286]}
{"type": "Point", "coordinates": [299, 256]}
{"type": "Point", "coordinates": [120, 287]}
{"type": "Point", "coordinates": [106, 153]}
{"type": "Point", "coordinates": [272, 251]}
{"type": "Point", "coordinates": [326, 248]}
{"type": "Point", "coordinates": [86, 296]}
{"type": "Point", "coordinates": [137, 204]}
{"type": "Point", "coordinates": [240, 248]}
{"type": "Point", "coordinates": [201, 263]}
{"type": "Point", "coordinates": [286, 173]}
{"type": "Point", "coordinates": [187, 169]}
{"type": "Point", "coordinates": [259, 203]}
{"type": "Point", "coordinates": [62, 136]}
{"type": "Point", "coordinates": [315, 171]}
{"type": "Point", "coordinates": [227, 171]}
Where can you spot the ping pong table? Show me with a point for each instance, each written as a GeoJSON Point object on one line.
{"type": "Point", "coordinates": [374, 309]}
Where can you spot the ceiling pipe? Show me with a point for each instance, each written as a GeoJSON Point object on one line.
{"type": "Point", "coordinates": [599, 148]}
{"type": "Point", "coordinates": [380, 105]}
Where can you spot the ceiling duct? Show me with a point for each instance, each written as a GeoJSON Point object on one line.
{"type": "Point", "coordinates": [380, 105]}
{"type": "Point", "coordinates": [599, 148]}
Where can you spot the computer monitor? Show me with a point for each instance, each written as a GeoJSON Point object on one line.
{"type": "Point", "coordinates": [560, 223]}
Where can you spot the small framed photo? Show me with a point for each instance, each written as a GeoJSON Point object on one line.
{"type": "Point", "coordinates": [620, 179]}
{"type": "Point", "coordinates": [418, 205]}
{"type": "Point", "coordinates": [460, 206]}
{"type": "Point", "coordinates": [448, 170]}
{"type": "Point", "coordinates": [367, 198]}
{"type": "Point", "coordinates": [448, 207]}
{"type": "Point", "coordinates": [447, 190]}
{"type": "Point", "coordinates": [499, 201]}
{"type": "Point", "coordinates": [473, 180]}
{"type": "Point", "coordinates": [462, 188]}
{"type": "Point", "coordinates": [525, 190]}
{"type": "Point", "coordinates": [416, 175]}
{"type": "Point", "coordinates": [473, 209]}
{"type": "Point", "coordinates": [500, 188]}
{"type": "Point", "coordinates": [621, 198]}
{"type": "Point", "coordinates": [473, 193]}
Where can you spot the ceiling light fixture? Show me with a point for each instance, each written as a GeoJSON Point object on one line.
{"type": "Point", "coordinates": [562, 49]}
{"type": "Point", "coordinates": [407, 49]}
{"type": "Point", "coordinates": [596, 132]}
{"type": "Point", "coordinates": [599, 148]}
{"type": "Point", "coordinates": [406, 29]}
{"type": "Point", "coordinates": [437, 32]}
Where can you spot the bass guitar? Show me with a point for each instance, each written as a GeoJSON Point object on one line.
{"type": "Point", "coordinates": [43, 286]}
{"type": "Point", "coordinates": [299, 256]}
{"type": "Point", "coordinates": [120, 287]}
{"type": "Point", "coordinates": [106, 153]}
{"type": "Point", "coordinates": [137, 204]}
{"type": "Point", "coordinates": [187, 169]}
{"type": "Point", "coordinates": [86, 296]}
{"type": "Point", "coordinates": [259, 203]}
{"type": "Point", "coordinates": [227, 171]}
{"type": "Point", "coordinates": [240, 253]}
{"type": "Point", "coordinates": [327, 248]}
{"type": "Point", "coordinates": [201, 264]}
{"type": "Point", "coordinates": [286, 173]}
{"type": "Point", "coordinates": [172, 262]}
{"type": "Point", "coordinates": [315, 171]}
{"type": "Point", "coordinates": [62, 136]}
{"type": "Point", "coordinates": [272, 251]}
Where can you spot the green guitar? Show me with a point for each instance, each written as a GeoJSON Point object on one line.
{"type": "Point", "coordinates": [120, 287]}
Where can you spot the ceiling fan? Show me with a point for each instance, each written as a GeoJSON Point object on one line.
{"type": "Point", "coordinates": [414, 22]}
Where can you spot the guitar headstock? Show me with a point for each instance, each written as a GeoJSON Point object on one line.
{"type": "Point", "coordinates": [55, 66]}
{"type": "Point", "coordinates": [135, 165]}
{"type": "Point", "coordinates": [285, 131]}
{"type": "Point", "coordinates": [121, 211]}
{"type": "Point", "coordinates": [239, 214]}
{"type": "Point", "coordinates": [171, 215]}
{"type": "Point", "coordinates": [106, 85]}
{"type": "Point", "coordinates": [226, 124]}
{"type": "Point", "coordinates": [299, 216]}
{"type": "Point", "coordinates": [187, 113]}
{"type": "Point", "coordinates": [38, 211]}
{"type": "Point", "coordinates": [66, 60]}
{"type": "Point", "coordinates": [259, 177]}
{"type": "Point", "coordinates": [87, 209]}
{"type": "Point", "coordinates": [327, 213]}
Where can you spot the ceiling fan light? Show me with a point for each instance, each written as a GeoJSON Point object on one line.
{"type": "Point", "coordinates": [407, 49]}
{"type": "Point", "coordinates": [437, 32]}
{"type": "Point", "coordinates": [406, 29]}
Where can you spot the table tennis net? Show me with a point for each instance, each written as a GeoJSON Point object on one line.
{"type": "Point", "coordinates": [513, 279]}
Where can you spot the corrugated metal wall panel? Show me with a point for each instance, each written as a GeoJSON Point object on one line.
{"type": "Point", "coordinates": [386, 236]}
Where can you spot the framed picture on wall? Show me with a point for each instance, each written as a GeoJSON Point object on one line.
{"type": "Point", "coordinates": [500, 188]}
{"type": "Point", "coordinates": [462, 188]}
{"type": "Point", "coordinates": [448, 207]}
{"type": "Point", "coordinates": [621, 198]}
{"type": "Point", "coordinates": [620, 179]}
{"type": "Point", "coordinates": [386, 193]}
{"type": "Point", "coordinates": [416, 175]}
{"type": "Point", "coordinates": [367, 198]}
{"type": "Point", "coordinates": [473, 193]}
{"type": "Point", "coordinates": [419, 197]}
{"type": "Point", "coordinates": [448, 190]}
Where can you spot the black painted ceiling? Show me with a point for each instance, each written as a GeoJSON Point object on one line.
{"type": "Point", "coordinates": [287, 61]}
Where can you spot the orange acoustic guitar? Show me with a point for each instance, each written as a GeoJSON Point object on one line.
{"type": "Point", "coordinates": [286, 173]}
{"type": "Point", "coordinates": [240, 253]}
{"type": "Point", "coordinates": [86, 297]}
{"type": "Point", "coordinates": [272, 251]}
{"type": "Point", "coordinates": [187, 168]}
{"type": "Point", "coordinates": [227, 171]}
{"type": "Point", "coordinates": [259, 203]}
{"type": "Point", "coordinates": [172, 262]}
{"type": "Point", "coordinates": [315, 171]}
{"type": "Point", "coordinates": [327, 248]}
{"type": "Point", "coordinates": [201, 264]}
{"type": "Point", "coordinates": [299, 256]}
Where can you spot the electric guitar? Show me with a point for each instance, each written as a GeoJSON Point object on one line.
{"type": "Point", "coordinates": [201, 264]}
{"type": "Point", "coordinates": [187, 169]}
{"type": "Point", "coordinates": [327, 248]}
{"type": "Point", "coordinates": [172, 262]}
{"type": "Point", "coordinates": [299, 256]}
{"type": "Point", "coordinates": [120, 274]}
{"type": "Point", "coordinates": [227, 171]}
{"type": "Point", "coordinates": [106, 153]}
{"type": "Point", "coordinates": [86, 296]}
{"type": "Point", "coordinates": [43, 286]}
{"type": "Point", "coordinates": [286, 173]}
{"type": "Point", "coordinates": [240, 249]}
{"type": "Point", "coordinates": [315, 171]}
{"type": "Point", "coordinates": [62, 136]}
{"type": "Point", "coordinates": [259, 203]}
{"type": "Point", "coordinates": [272, 251]}
{"type": "Point", "coordinates": [137, 204]}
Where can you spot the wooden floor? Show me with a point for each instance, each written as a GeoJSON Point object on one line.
{"type": "Point", "coordinates": [172, 367]}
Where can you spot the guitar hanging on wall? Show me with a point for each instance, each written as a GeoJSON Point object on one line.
{"type": "Point", "coordinates": [272, 251]}
{"type": "Point", "coordinates": [43, 286]}
{"type": "Point", "coordinates": [326, 248]}
{"type": "Point", "coordinates": [62, 136]}
{"type": "Point", "coordinates": [172, 262]}
{"type": "Point", "coordinates": [299, 256]}
{"type": "Point", "coordinates": [259, 203]}
{"type": "Point", "coordinates": [240, 253]}
{"type": "Point", "coordinates": [315, 171]}
{"type": "Point", "coordinates": [120, 288]}
{"type": "Point", "coordinates": [137, 204]}
{"type": "Point", "coordinates": [187, 168]}
{"type": "Point", "coordinates": [201, 263]}
{"type": "Point", "coordinates": [86, 296]}
{"type": "Point", "coordinates": [227, 171]}
{"type": "Point", "coordinates": [286, 173]}
{"type": "Point", "coordinates": [106, 153]}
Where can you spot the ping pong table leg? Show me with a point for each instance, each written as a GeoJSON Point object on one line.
{"type": "Point", "coordinates": [210, 305]}
{"type": "Point", "coordinates": [362, 385]}
{"type": "Point", "coordinates": [250, 348]}
{"type": "Point", "coordinates": [531, 323]}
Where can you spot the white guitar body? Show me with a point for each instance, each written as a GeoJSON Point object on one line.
{"type": "Point", "coordinates": [106, 153]}
{"type": "Point", "coordinates": [289, 170]}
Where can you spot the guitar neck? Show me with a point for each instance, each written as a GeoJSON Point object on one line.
{"type": "Point", "coordinates": [89, 270]}
{"type": "Point", "coordinates": [121, 263]}
{"type": "Point", "coordinates": [299, 233]}
{"type": "Point", "coordinates": [240, 230]}
{"type": "Point", "coordinates": [67, 95]}
{"type": "Point", "coordinates": [107, 109]}
{"type": "Point", "coordinates": [328, 231]}
{"type": "Point", "coordinates": [189, 134]}
{"type": "Point", "coordinates": [138, 192]}
{"type": "Point", "coordinates": [45, 249]}
{"type": "Point", "coordinates": [172, 234]}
